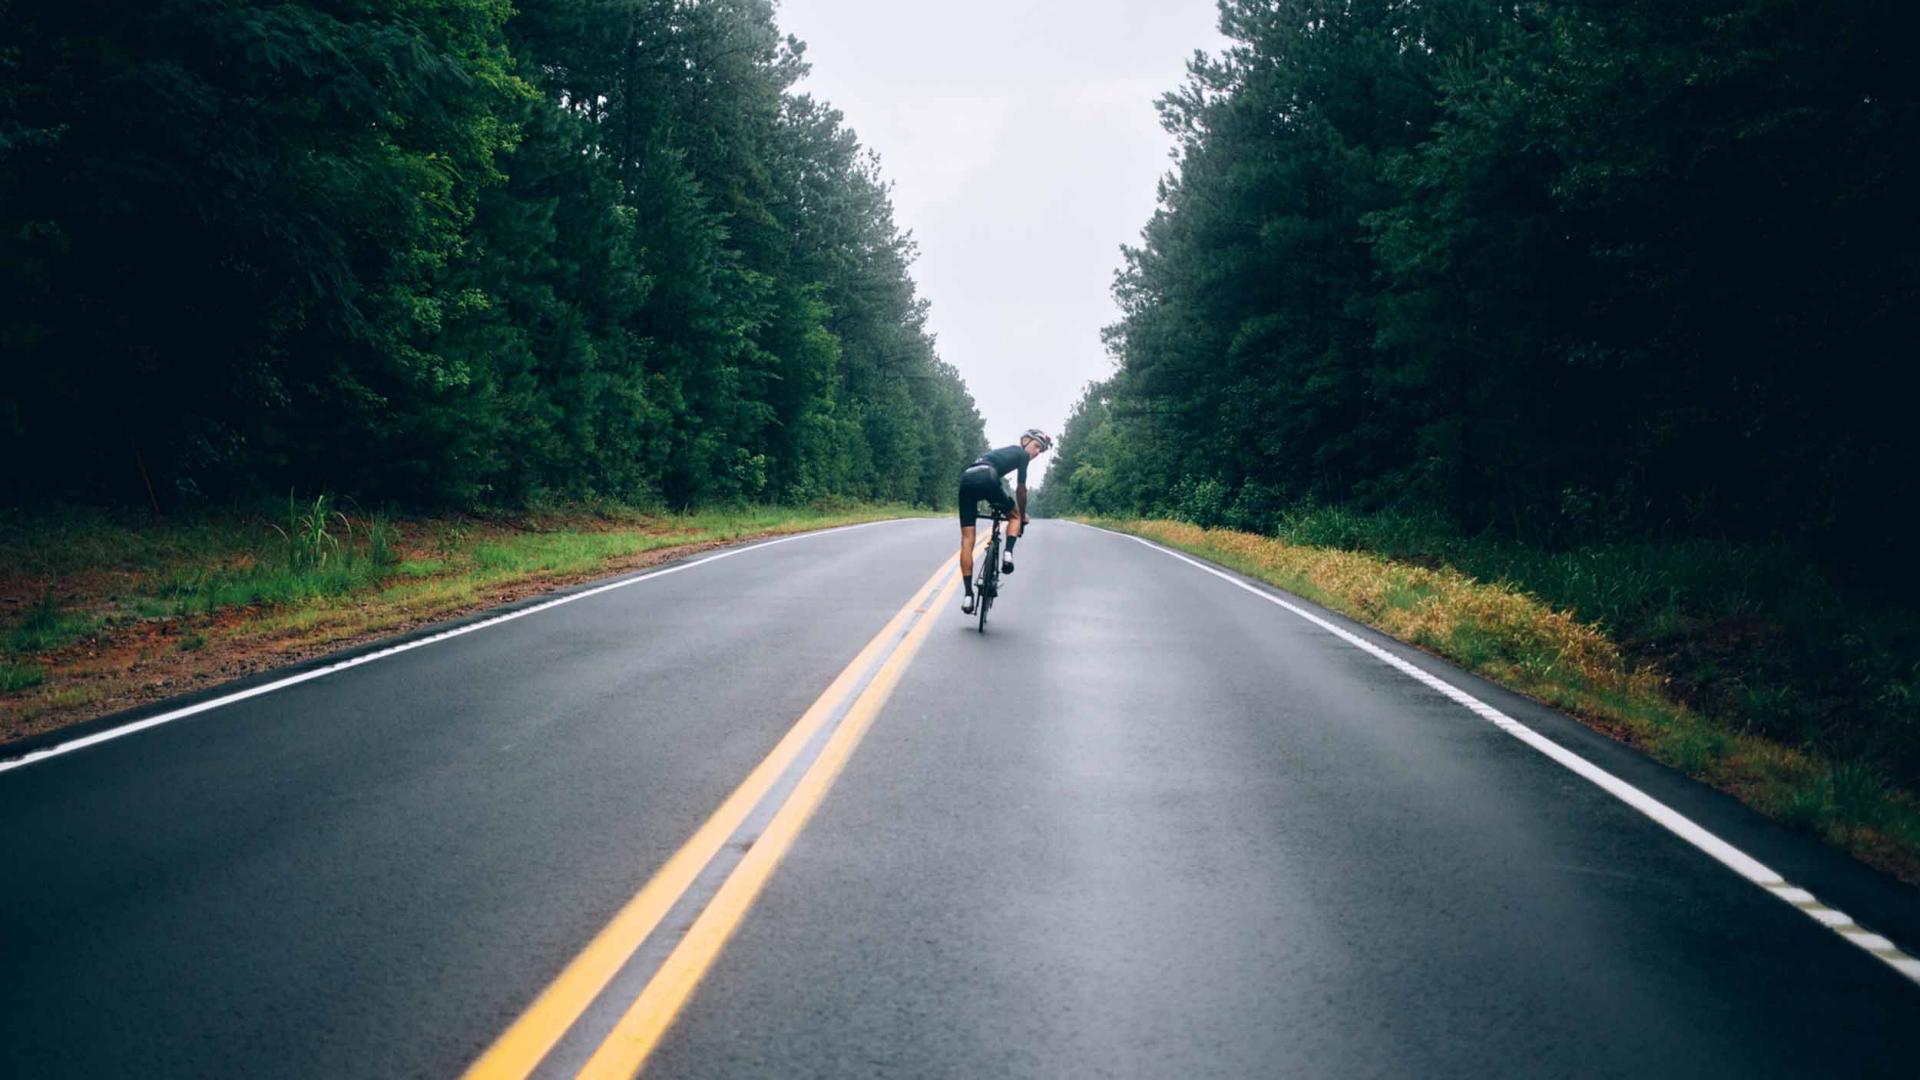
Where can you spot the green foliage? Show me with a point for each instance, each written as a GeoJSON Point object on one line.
{"type": "Point", "coordinates": [449, 253]}
{"type": "Point", "coordinates": [1572, 271]}
{"type": "Point", "coordinates": [311, 533]}
{"type": "Point", "coordinates": [15, 677]}
{"type": "Point", "coordinates": [381, 541]}
{"type": "Point", "coordinates": [1601, 299]}
{"type": "Point", "coordinates": [1202, 501]}
{"type": "Point", "coordinates": [47, 627]}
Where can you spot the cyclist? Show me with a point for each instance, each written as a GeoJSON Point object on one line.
{"type": "Point", "coordinates": [982, 480]}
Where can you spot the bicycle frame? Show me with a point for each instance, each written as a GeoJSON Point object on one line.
{"type": "Point", "coordinates": [987, 581]}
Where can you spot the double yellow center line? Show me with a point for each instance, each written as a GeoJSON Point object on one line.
{"type": "Point", "coordinates": [843, 713]}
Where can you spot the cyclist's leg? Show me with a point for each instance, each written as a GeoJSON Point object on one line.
{"type": "Point", "coordinates": [1004, 503]}
{"type": "Point", "coordinates": [969, 515]}
{"type": "Point", "coordinates": [966, 570]}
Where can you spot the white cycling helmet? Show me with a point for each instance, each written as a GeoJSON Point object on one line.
{"type": "Point", "coordinates": [1045, 440]}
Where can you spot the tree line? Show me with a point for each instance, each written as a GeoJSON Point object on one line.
{"type": "Point", "coordinates": [1565, 269]}
{"type": "Point", "coordinates": [450, 252]}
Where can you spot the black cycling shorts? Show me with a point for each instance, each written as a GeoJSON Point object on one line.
{"type": "Point", "coordinates": [977, 483]}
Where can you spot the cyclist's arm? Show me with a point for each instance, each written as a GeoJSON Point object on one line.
{"type": "Point", "coordinates": [1020, 500]}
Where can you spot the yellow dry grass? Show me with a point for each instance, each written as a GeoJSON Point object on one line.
{"type": "Point", "coordinates": [1422, 605]}
{"type": "Point", "coordinates": [1520, 642]}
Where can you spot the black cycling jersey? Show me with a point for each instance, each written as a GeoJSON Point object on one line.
{"type": "Point", "coordinates": [1005, 460]}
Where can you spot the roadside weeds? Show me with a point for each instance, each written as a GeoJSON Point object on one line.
{"type": "Point", "coordinates": [97, 617]}
{"type": "Point", "coordinates": [1513, 638]}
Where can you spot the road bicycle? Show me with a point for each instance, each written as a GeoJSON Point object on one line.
{"type": "Point", "coordinates": [987, 581]}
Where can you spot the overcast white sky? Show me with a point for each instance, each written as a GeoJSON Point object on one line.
{"type": "Point", "coordinates": [1024, 149]}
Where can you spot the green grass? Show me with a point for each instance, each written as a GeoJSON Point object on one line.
{"type": "Point", "coordinates": [200, 567]}
{"type": "Point", "coordinates": [198, 593]}
{"type": "Point", "coordinates": [15, 677]}
{"type": "Point", "coordinates": [299, 565]}
{"type": "Point", "coordinates": [47, 627]}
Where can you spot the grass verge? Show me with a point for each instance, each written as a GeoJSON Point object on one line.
{"type": "Point", "coordinates": [99, 613]}
{"type": "Point", "coordinates": [1508, 633]}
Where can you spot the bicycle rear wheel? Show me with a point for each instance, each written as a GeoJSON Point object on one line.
{"type": "Point", "coordinates": [989, 582]}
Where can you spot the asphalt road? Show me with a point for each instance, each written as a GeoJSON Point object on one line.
{"type": "Point", "coordinates": [1149, 824]}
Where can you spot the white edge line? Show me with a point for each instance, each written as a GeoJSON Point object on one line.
{"type": "Point", "coordinates": [99, 737]}
{"type": "Point", "coordinates": [1666, 816]}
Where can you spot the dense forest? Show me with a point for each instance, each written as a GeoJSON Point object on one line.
{"type": "Point", "coordinates": [449, 253]}
{"type": "Point", "coordinates": [1567, 270]}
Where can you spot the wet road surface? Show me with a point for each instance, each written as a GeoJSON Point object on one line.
{"type": "Point", "coordinates": [1148, 824]}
